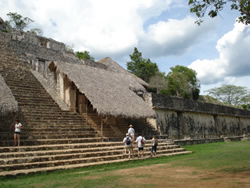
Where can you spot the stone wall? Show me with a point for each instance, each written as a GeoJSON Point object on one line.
{"type": "Point", "coordinates": [38, 52]}
{"type": "Point", "coordinates": [180, 118]}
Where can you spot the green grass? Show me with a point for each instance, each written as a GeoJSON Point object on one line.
{"type": "Point", "coordinates": [228, 157]}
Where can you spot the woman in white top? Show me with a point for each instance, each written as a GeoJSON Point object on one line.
{"type": "Point", "coordinates": [17, 132]}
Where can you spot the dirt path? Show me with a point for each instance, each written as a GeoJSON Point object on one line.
{"type": "Point", "coordinates": [164, 175]}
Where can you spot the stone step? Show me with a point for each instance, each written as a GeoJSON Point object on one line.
{"type": "Point", "coordinates": [92, 143]}
{"type": "Point", "coordinates": [50, 135]}
{"type": "Point", "coordinates": [50, 169]}
{"type": "Point", "coordinates": [68, 159]}
{"type": "Point", "coordinates": [61, 121]}
{"type": "Point", "coordinates": [23, 85]}
{"type": "Point", "coordinates": [6, 154]}
{"type": "Point", "coordinates": [44, 118]}
{"type": "Point", "coordinates": [34, 99]}
{"type": "Point", "coordinates": [29, 142]}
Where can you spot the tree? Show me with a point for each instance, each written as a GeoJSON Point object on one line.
{"type": "Point", "coordinates": [17, 21]}
{"type": "Point", "coordinates": [141, 67]}
{"type": "Point", "coordinates": [182, 82]}
{"type": "Point", "coordinates": [20, 23]}
{"type": "Point", "coordinates": [84, 55]}
{"type": "Point", "coordinates": [200, 7]}
{"type": "Point", "coordinates": [230, 94]}
{"type": "Point", "coordinates": [36, 31]}
{"type": "Point", "coordinates": [158, 82]}
{"type": "Point", "coordinates": [69, 48]}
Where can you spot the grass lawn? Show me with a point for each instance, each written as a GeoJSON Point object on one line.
{"type": "Point", "coordinates": [208, 164]}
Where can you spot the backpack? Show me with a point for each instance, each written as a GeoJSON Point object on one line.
{"type": "Point", "coordinates": [156, 142]}
{"type": "Point", "coordinates": [128, 141]}
{"type": "Point", "coordinates": [142, 141]}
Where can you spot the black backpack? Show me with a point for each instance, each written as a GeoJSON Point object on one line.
{"type": "Point", "coordinates": [128, 141]}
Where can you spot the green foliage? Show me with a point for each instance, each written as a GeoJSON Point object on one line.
{"type": "Point", "coordinates": [69, 48]}
{"type": "Point", "coordinates": [17, 21]}
{"type": "Point", "coordinates": [182, 82]}
{"type": "Point", "coordinates": [158, 82]}
{"type": "Point", "coordinates": [143, 68]}
{"type": "Point", "coordinates": [209, 99]}
{"type": "Point", "coordinates": [36, 31]}
{"type": "Point", "coordinates": [230, 94]}
{"type": "Point", "coordinates": [84, 55]}
{"type": "Point", "coordinates": [200, 7]}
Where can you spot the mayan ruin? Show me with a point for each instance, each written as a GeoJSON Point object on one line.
{"type": "Point", "coordinates": [75, 113]}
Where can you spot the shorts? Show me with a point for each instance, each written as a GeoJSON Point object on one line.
{"type": "Point", "coordinates": [140, 149]}
{"type": "Point", "coordinates": [128, 147]}
{"type": "Point", "coordinates": [17, 133]}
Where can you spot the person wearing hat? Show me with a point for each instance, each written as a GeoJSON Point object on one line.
{"type": "Point", "coordinates": [128, 145]}
{"type": "Point", "coordinates": [131, 132]}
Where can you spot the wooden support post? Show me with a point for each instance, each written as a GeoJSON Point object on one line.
{"type": "Point", "coordinates": [102, 127]}
{"type": "Point", "coordinates": [87, 114]}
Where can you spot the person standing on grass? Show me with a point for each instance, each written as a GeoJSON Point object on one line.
{"type": "Point", "coordinates": [154, 146]}
{"type": "Point", "coordinates": [128, 145]}
{"type": "Point", "coordinates": [17, 132]}
{"type": "Point", "coordinates": [140, 143]}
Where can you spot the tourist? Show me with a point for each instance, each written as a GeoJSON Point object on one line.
{"type": "Point", "coordinates": [17, 132]}
{"type": "Point", "coordinates": [154, 146]}
{"type": "Point", "coordinates": [131, 132]}
{"type": "Point", "coordinates": [128, 145]}
{"type": "Point", "coordinates": [140, 143]}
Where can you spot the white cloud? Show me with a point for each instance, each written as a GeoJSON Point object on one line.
{"type": "Point", "coordinates": [234, 48]}
{"type": "Point", "coordinates": [172, 37]}
{"type": "Point", "coordinates": [111, 27]}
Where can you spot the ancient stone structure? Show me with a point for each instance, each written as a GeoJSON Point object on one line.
{"type": "Point", "coordinates": [180, 118]}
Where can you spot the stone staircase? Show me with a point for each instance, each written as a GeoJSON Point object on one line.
{"type": "Point", "coordinates": [119, 127]}
{"type": "Point", "coordinates": [43, 119]}
{"type": "Point", "coordinates": [45, 158]}
{"type": "Point", "coordinates": [116, 128]}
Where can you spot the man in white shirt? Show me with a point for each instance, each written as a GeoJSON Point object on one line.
{"type": "Point", "coordinates": [141, 141]}
{"type": "Point", "coordinates": [131, 132]}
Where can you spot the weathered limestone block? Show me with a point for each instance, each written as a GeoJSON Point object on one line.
{"type": "Point", "coordinates": [198, 125]}
{"type": "Point", "coordinates": [167, 123]}
{"type": "Point", "coordinates": [228, 125]}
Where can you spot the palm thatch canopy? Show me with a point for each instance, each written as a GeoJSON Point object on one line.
{"type": "Point", "coordinates": [115, 67]}
{"type": "Point", "coordinates": [7, 100]}
{"type": "Point", "coordinates": [110, 93]}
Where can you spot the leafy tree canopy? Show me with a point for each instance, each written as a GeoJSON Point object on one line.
{"type": "Point", "coordinates": [230, 94]}
{"type": "Point", "coordinates": [17, 21]}
{"type": "Point", "coordinates": [213, 7]}
{"type": "Point", "coordinates": [182, 82]}
{"type": "Point", "coordinates": [84, 55]}
{"type": "Point", "coordinates": [141, 67]}
{"type": "Point", "coordinates": [20, 23]}
{"type": "Point", "coordinates": [158, 82]}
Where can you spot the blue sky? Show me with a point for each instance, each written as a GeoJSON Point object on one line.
{"type": "Point", "coordinates": [163, 30]}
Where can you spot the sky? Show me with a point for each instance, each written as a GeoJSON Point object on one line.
{"type": "Point", "coordinates": [162, 30]}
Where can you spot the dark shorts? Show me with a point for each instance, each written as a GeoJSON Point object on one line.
{"type": "Point", "coordinates": [140, 149]}
{"type": "Point", "coordinates": [17, 133]}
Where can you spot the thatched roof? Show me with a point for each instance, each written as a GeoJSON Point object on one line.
{"type": "Point", "coordinates": [110, 93]}
{"type": "Point", "coordinates": [7, 100]}
{"type": "Point", "coordinates": [115, 67]}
